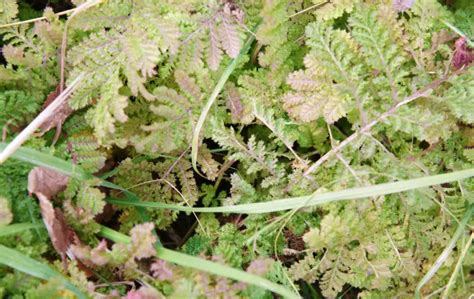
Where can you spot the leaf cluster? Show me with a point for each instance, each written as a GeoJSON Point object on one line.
{"type": "Point", "coordinates": [330, 96]}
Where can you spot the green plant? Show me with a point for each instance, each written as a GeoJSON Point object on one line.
{"type": "Point", "coordinates": [246, 147]}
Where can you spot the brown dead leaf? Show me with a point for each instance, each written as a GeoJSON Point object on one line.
{"type": "Point", "coordinates": [46, 183]}
{"type": "Point", "coordinates": [56, 119]}
{"type": "Point", "coordinates": [61, 235]}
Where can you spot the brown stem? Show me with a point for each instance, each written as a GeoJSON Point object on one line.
{"type": "Point", "coordinates": [167, 173]}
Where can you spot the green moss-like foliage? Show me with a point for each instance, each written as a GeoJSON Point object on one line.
{"type": "Point", "coordinates": [314, 75]}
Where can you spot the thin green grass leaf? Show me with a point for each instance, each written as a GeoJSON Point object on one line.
{"type": "Point", "coordinates": [446, 252]}
{"type": "Point", "coordinates": [47, 160]}
{"type": "Point", "coordinates": [19, 227]}
{"type": "Point", "coordinates": [204, 265]}
{"type": "Point", "coordinates": [212, 98]}
{"type": "Point", "coordinates": [315, 199]}
{"type": "Point", "coordinates": [459, 32]}
{"type": "Point", "coordinates": [458, 267]}
{"type": "Point", "coordinates": [23, 263]}
{"type": "Point", "coordinates": [38, 158]}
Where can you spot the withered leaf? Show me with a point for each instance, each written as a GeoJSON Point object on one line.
{"type": "Point", "coordinates": [61, 235]}
{"type": "Point", "coordinates": [56, 119]}
{"type": "Point", "coordinates": [46, 181]}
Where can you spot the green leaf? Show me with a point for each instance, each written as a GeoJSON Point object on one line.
{"type": "Point", "coordinates": [38, 158]}
{"type": "Point", "coordinates": [47, 160]}
{"type": "Point", "coordinates": [19, 227]}
{"type": "Point", "coordinates": [42, 159]}
{"type": "Point", "coordinates": [317, 198]}
{"type": "Point", "coordinates": [23, 263]}
{"type": "Point", "coordinates": [212, 98]}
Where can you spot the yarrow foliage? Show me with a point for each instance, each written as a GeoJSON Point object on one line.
{"type": "Point", "coordinates": [329, 96]}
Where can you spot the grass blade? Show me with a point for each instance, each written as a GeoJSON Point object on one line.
{"type": "Point", "coordinates": [65, 12]}
{"type": "Point", "coordinates": [315, 199]}
{"type": "Point", "coordinates": [446, 252]}
{"type": "Point", "coordinates": [457, 268]}
{"type": "Point", "coordinates": [47, 160]}
{"type": "Point", "coordinates": [205, 265]}
{"type": "Point", "coordinates": [23, 263]}
{"type": "Point", "coordinates": [38, 158]}
{"type": "Point", "coordinates": [458, 32]}
{"type": "Point", "coordinates": [212, 98]}
{"type": "Point", "coordinates": [18, 227]}
{"type": "Point", "coordinates": [222, 270]}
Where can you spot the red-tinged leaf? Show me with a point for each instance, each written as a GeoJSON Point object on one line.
{"type": "Point", "coordinates": [302, 80]}
{"type": "Point", "coordinates": [463, 56]}
{"type": "Point", "coordinates": [170, 34]}
{"type": "Point", "coordinates": [232, 9]}
{"type": "Point", "coordinates": [97, 256]}
{"type": "Point", "coordinates": [187, 84]}
{"type": "Point", "coordinates": [260, 266]}
{"type": "Point", "coordinates": [234, 103]}
{"type": "Point", "coordinates": [162, 270]}
{"type": "Point", "coordinates": [215, 54]}
{"type": "Point", "coordinates": [209, 166]}
{"type": "Point", "coordinates": [143, 240]}
{"type": "Point", "coordinates": [229, 37]}
{"type": "Point", "coordinates": [402, 5]}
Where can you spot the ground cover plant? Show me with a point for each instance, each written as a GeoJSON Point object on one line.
{"type": "Point", "coordinates": [236, 149]}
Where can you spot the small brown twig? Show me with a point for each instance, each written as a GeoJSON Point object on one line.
{"type": "Point", "coordinates": [167, 173]}
{"type": "Point", "coordinates": [187, 203]}
{"type": "Point", "coordinates": [314, 6]}
{"type": "Point", "coordinates": [62, 56]}
{"type": "Point", "coordinates": [221, 172]}
{"type": "Point", "coordinates": [37, 19]}
{"type": "Point", "coordinates": [5, 130]}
